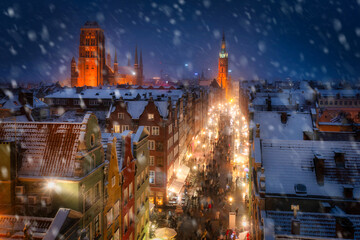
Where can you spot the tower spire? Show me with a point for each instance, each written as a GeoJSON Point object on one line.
{"type": "Point", "coordinates": [136, 57]}
{"type": "Point", "coordinates": [141, 62]}
{"type": "Point", "coordinates": [115, 58]}
{"type": "Point", "coordinates": [223, 43]}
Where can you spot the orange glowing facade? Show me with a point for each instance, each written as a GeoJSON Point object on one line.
{"type": "Point", "coordinates": [93, 70]}
{"type": "Point", "coordinates": [223, 78]}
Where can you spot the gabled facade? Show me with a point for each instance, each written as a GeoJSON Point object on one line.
{"type": "Point", "coordinates": [142, 188]}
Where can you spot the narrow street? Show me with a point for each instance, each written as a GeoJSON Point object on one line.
{"type": "Point", "coordinates": [214, 191]}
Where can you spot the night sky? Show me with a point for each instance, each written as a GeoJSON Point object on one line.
{"type": "Point", "coordinates": [266, 39]}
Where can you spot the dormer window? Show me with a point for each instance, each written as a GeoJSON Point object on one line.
{"type": "Point", "coordinates": [151, 117]}
{"type": "Point", "coordinates": [300, 189]}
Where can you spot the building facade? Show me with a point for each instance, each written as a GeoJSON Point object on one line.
{"type": "Point", "coordinates": [94, 68]}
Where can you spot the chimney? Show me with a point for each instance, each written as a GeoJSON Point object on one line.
{"type": "Point", "coordinates": [257, 130]}
{"type": "Point", "coordinates": [284, 117]}
{"type": "Point", "coordinates": [344, 228]}
{"type": "Point", "coordinates": [339, 157]}
{"type": "Point", "coordinates": [295, 226]}
{"type": "Point", "coordinates": [319, 163]}
{"type": "Point", "coordinates": [348, 191]}
{"type": "Point", "coordinates": [268, 103]}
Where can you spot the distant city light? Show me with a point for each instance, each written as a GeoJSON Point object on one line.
{"type": "Point", "coordinates": [186, 65]}
{"type": "Point", "coordinates": [229, 71]}
{"type": "Point", "coordinates": [133, 73]}
{"type": "Point", "coordinates": [196, 74]}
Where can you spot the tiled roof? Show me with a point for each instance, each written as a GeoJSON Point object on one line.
{"type": "Point", "coordinates": [321, 225]}
{"type": "Point", "coordinates": [48, 149]}
{"type": "Point", "coordinates": [15, 225]}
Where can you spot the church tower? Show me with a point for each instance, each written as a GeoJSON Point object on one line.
{"type": "Point", "coordinates": [137, 69]}
{"type": "Point", "coordinates": [91, 55]}
{"type": "Point", "coordinates": [74, 73]}
{"type": "Point", "coordinates": [223, 67]}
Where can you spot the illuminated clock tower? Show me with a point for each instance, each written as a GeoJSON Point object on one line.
{"type": "Point", "coordinates": [223, 66]}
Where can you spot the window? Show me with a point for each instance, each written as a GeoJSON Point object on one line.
{"type": "Point", "coordinates": [151, 163]}
{"type": "Point", "coordinates": [155, 131]}
{"type": "Point", "coordinates": [113, 181]}
{"type": "Point", "coordinates": [150, 116]}
{"type": "Point", "coordinates": [109, 217]}
{"type": "Point", "coordinates": [159, 161]}
{"type": "Point", "coordinates": [321, 102]}
{"type": "Point", "coordinates": [124, 128]}
{"type": "Point", "coordinates": [125, 196]}
{"type": "Point", "coordinates": [116, 209]}
{"type": "Point", "coordinates": [130, 190]}
{"type": "Point", "coordinates": [170, 142]}
{"type": "Point", "coordinates": [88, 199]}
{"type": "Point", "coordinates": [131, 215]}
{"type": "Point", "coordinates": [93, 102]}
{"type": "Point", "coordinates": [97, 225]}
{"type": "Point", "coordinates": [116, 128]}
{"type": "Point", "coordinates": [170, 128]}
{"type": "Point", "coordinates": [121, 115]}
{"type": "Point", "coordinates": [152, 177]}
{"type": "Point", "coordinates": [148, 129]}
{"type": "Point", "coordinates": [335, 103]}
{"type": "Point", "coordinates": [97, 191]}
{"type": "Point", "coordinates": [76, 102]}
{"type": "Point", "coordinates": [126, 222]}
{"type": "Point", "coordinates": [151, 145]}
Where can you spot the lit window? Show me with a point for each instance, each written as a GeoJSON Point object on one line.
{"type": "Point", "coordinates": [150, 116]}
{"type": "Point", "coordinates": [109, 217]}
{"type": "Point", "coordinates": [116, 128]}
{"type": "Point", "coordinates": [113, 181]}
{"type": "Point", "coordinates": [152, 177]}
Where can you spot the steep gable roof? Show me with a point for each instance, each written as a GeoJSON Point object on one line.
{"type": "Point", "coordinates": [48, 148]}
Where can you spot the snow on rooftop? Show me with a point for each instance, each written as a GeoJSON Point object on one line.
{"type": "Point", "coordinates": [319, 225]}
{"type": "Point", "coordinates": [271, 126]}
{"type": "Point", "coordinates": [110, 93]}
{"type": "Point", "coordinates": [290, 162]}
{"type": "Point", "coordinates": [136, 108]}
{"type": "Point", "coordinates": [162, 106]}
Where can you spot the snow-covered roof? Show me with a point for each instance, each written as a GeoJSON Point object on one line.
{"type": "Point", "coordinates": [162, 106]}
{"type": "Point", "coordinates": [108, 138]}
{"type": "Point", "coordinates": [40, 156]}
{"type": "Point", "coordinates": [290, 162]}
{"type": "Point", "coordinates": [112, 92]}
{"type": "Point", "coordinates": [318, 225]}
{"type": "Point", "coordinates": [347, 93]}
{"type": "Point", "coordinates": [136, 108]}
{"type": "Point", "coordinates": [271, 126]}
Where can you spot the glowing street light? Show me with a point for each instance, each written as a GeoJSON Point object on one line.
{"type": "Point", "coordinates": [50, 185]}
